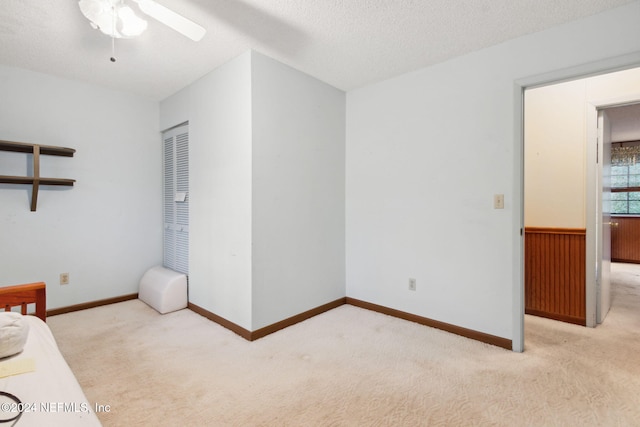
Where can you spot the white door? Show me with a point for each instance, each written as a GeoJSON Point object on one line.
{"type": "Point", "coordinates": [176, 199]}
{"type": "Point", "coordinates": [603, 301]}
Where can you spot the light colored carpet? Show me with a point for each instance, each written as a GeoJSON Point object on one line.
{"type": "Point", "coordinates": [353, 367]}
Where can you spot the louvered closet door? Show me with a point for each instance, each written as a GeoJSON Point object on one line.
{"type": "Point", "coordinates": [176, 199]}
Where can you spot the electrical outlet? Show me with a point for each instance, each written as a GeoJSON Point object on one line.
{"type": "Point", "coordinates": [412, 284]}
{"type": "Point", "coordinates": [64, 278]}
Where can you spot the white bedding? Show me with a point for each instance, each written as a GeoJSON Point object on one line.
{"type": "Point", "coordinates": [50, 395]}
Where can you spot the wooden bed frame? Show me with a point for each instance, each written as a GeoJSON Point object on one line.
{"type": "Point", "coordinates": [52, 379]}
{"type": "Point", "coordinates": [21, 295]}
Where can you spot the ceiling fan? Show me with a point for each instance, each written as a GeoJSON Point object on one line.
{"type": "Point", "coordinates": [116, 19]}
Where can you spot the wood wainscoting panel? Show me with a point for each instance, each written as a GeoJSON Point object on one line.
{"type": "Point", "coordinates": [555, 277]}
{"type": "Point", "coordinates": [625, 239]}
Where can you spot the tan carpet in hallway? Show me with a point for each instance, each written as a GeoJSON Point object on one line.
{"type": "Point", "coordinates": [353, 367]}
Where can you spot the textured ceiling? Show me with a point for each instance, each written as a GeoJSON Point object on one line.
{"type": "Point", "coordinates": [346, 43]}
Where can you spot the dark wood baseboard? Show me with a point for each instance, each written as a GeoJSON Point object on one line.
{"type": "Point", "coordinates": [458, 330]}
{"type": "Point", "coordinates": [563, 318]}
{"type": "Point", "coordinates": [220, 321]}
{"type": "Point", "coordinates": [262, 332]}
{"type": "Point", "coordinates": [91, 304]}
{"type": "Point", "coordinates": [626, 261]}
{"type": "Point", "coordinates": [267, 330]}
{"type": "Point", "coordinates": [259, 333]}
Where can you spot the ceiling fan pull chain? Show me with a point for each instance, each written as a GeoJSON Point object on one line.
{"type": "Point", "coordinates": [113, 37]}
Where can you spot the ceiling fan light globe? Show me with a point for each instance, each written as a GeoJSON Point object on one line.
{"type": "Point", "coordinates": [131, 24]}
{"type": "Point", "coordinates": [100, 15]}
{"type": "Point", "coordinates": [91, 9]}
{"type": "Point", "coordinates": [115, 19]}
{"type": "Point", "coordinates": [112, 18]}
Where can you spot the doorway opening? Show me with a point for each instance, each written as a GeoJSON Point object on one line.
{"type": "Point", "coordinates": [563, 198]}
{"type": "Point", "coordinates": [625, 201]}
{"type": "Point", "coordinates": [625, 183]}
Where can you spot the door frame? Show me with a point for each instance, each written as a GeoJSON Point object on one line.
{"type": "Point", "coordinates": [603, 66]}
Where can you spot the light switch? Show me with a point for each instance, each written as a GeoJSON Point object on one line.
{"type": "Point", "coordinates": [498, 201]}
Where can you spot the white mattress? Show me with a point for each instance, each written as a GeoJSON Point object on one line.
{"type": "Point", "coordinates": [50, 395]}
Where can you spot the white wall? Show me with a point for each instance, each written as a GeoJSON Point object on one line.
{"type": "Point", "coordinates": [218, 108]}
{"type": "Point", "coordinates": [555, 156]}
{"type": "Point", "coordinates": [267, 190]}
{"type": "Point", "coordinates": [556, 144]}
{"type": "Point", "coordinates": [298, 192]}
{"type": "Point", "coordinates": [427, 151]}
{"type": "Point", "coordinates": [106, 230]}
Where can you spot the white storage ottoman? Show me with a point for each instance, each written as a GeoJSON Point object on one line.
{"type": "Point", "coordinates": [163, 289]}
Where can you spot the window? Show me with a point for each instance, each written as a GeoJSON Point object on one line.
{"type": "Point", "coordinates": [625, 179]}
{"type": "Point", "coordinates": [176, 199]}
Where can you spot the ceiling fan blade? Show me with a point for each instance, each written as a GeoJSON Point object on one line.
{"type": "Point", "coordinates": [171, 19]}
